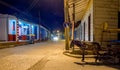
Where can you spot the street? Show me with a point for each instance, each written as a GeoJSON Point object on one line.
{"type": "Point", "coordinates": [45, 56]}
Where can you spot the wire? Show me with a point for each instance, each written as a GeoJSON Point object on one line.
{"type": "Point", "coordinates": [12, 7]}
{"type": "Point", "coordinates": [34, 2]}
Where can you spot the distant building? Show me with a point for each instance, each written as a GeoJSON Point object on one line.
{"type": "Point", "coordinates": [13, 29]}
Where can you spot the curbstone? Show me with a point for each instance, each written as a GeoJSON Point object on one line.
{"type": "Point", "coordinates": [78, 56]}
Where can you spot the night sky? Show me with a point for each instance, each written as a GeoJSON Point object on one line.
{"type": "Point", "coordinates": [51, 12]}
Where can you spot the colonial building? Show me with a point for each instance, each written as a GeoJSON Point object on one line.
{"type": "Point", "coordinates": [93, 14]}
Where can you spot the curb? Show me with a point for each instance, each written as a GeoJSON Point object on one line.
{"type": "Point", "coordinates": [67, 53]}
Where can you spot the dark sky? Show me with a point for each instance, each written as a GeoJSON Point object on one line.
{"type": "Point", "coordinates": [51, 11]}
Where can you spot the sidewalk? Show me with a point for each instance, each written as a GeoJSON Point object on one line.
{"type": "Point", "coordinates": [9, 44]}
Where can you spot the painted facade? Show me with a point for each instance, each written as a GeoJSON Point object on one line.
{"type": "Point", "coordinates": [13, 29]}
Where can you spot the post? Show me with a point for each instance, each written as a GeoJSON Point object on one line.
{"type": "Point", "coordinates": [72, 37]}
{"type": "Point", "coordinates": [67, 27]}
{"type": "Point", "coordinates": [39, 26]}
{"type": "Point", "coordinates": [73, 22]}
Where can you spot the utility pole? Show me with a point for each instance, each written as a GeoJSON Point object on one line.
{"type": "Point", "coordinates": [39, 25]}
{"type": "Point", "coordinates": [66, 23]}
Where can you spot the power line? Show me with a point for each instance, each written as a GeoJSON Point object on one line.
{"type": "Point", "coordinates": [12, 7]}
{"type": "Point", "coordinates": [34, 2]}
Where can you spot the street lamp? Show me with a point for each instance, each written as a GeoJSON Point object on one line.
{"type": "Point", "coordinates": [58, 31]}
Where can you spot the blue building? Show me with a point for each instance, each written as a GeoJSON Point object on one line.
{"type": "Point", "coordinates": [14, 29]}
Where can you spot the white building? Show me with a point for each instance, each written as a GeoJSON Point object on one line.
{"type": "Point", "coordinates": [12, 28]}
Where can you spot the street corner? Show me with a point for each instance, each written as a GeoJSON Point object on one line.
{"type": "Point", "coordinates": [69, 53]}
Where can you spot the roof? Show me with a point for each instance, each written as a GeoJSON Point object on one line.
{"type": "Point", "coordinates": [80, 9]}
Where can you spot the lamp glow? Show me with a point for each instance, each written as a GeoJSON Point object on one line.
{"type": "Point", "coordinates": [55, 38]}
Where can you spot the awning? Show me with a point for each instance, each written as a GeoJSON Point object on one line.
{"type": "Point", "coordinates": [80, 9]}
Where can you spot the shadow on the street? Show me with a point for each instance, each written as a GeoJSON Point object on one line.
{"type": "Point", "coordinates": [116, 66]}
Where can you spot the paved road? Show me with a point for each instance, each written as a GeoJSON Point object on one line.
{"type": "Point", "coordinates": [45, 56]}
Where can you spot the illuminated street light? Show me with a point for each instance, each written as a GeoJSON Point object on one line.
{"type": "Point", "coordinates": [58, 31]}
{"type": "Point", "coordinates": [55, 38]}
